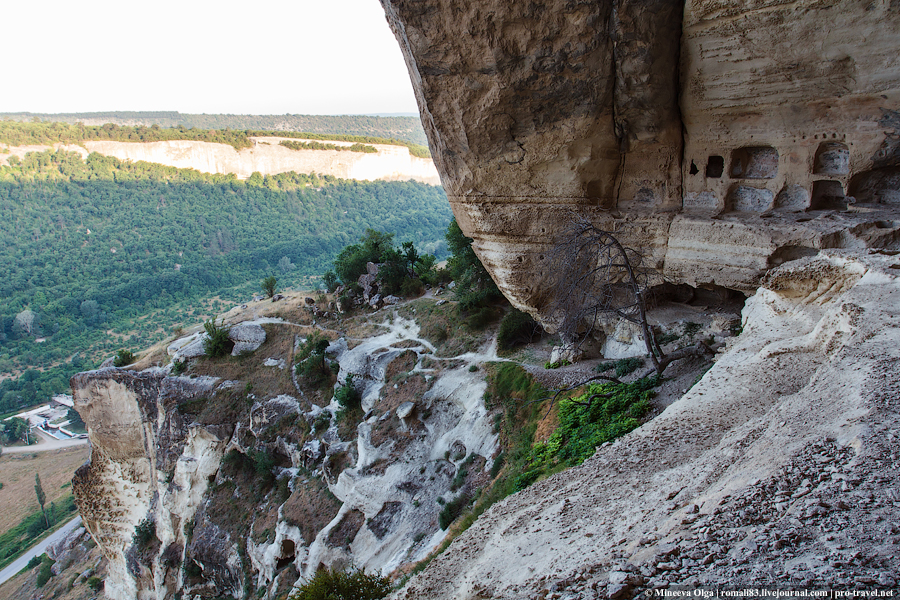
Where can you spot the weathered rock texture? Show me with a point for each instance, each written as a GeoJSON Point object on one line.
{"type": "Point", "coordinates": [147, 462]}
{"type": "Point", "coordinates": [390, 163]}
{"type": "Point", "coordinates": [678, 125]}
{"type": "Point", "coordinates": [300, 486]}
{"type": "Point", "coordinates": [779, 468]}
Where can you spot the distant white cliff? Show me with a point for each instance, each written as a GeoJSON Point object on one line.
{"type": "Point", "coordinates": [390, 163]}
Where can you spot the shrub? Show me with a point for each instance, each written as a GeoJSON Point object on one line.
{"type": "Point", "coordinates": [44, 575]}
{"type": "Point", "coordinates": [516, 328]}
{"type": "Point", "coordinates": [603, 413]}
{"type": "Point", "coordinates": [179, 367]}
{"type": "Point", "coordinates": [124, 358]}
{"type": "Point", "coordinates": [263, 462]}
{"type": "Point", "coordinates": [480, 317]}
{"type": "Point", "coordinates": [144, 533]}
{"type": "Point", "coordinates": [330, 280]}
{"type": "Point", "coordinates": [332, 584]}
{"type": "Point", "coordinates": [216, 343]}
{"type": "Point", "coordinates": [452, 510]}
{"type": "Point", "coordinates": [628, 365]}
{"type": "Point", "coordinates": [347, 396]}
{"type": "Point", "coordinates": [623, 366]}
{"type": "Point", "coordinates": [310, 360]}
{"type": "Point", "coordinates": [95, 583]}
{"type": "Point", "coordinates": [411, 286]}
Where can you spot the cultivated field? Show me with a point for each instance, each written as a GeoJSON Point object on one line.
{"type": "Point", "coordinates": [56, 467]}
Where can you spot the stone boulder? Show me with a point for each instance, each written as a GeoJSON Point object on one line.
{"type": "Point", "coordinates": [247, 337]}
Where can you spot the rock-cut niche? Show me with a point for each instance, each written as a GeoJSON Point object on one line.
{"type": "Point", "coordinates": [832, 158]}
{"type": "Point", "coordinates": [754, 162]}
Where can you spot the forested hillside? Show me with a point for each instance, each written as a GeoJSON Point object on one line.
{"type": "Point", "coordinates": [91, 246]}
{"type": "Point", "coordinates": [402, 128]}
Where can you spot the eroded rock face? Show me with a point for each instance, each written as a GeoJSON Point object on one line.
{"type": "Point", "coordinates": [675, 124]}
{"type": "Point", "coordinates": [137, 439]}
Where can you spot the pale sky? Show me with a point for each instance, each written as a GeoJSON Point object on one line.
{"type": "Point", "coordinates": [201, 56]}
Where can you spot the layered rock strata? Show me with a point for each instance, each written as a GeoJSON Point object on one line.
{"type": "Point", "coordinates": [677, 125]}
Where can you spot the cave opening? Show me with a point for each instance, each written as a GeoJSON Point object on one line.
{"type": "Point", "coordinates": [693, 170]}
{"type": "Point", "coordinates": [715, 166]}
{"type": "Point", "coordinates": [828, 195]}
{"type": "Point", "coordinates": [706, 296]}
{"type": "Point", "coordinates": [288, 554]}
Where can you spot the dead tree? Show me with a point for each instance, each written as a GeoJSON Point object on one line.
{"type": "Point", "coordinates": [594, 277]}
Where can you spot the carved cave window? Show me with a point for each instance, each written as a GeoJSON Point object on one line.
{"type": "Point", "coordinates": [754, 162]}
{"type": "Point", "coordinates": [715, 166]}
{"type": "Point", "coordinates": [832, 158]}
{"type": "Point", "coordinates": [693, 170]}
{"type": "Point", "coordinates": [828, 195]}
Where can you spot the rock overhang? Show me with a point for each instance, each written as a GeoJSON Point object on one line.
{"type": "Point", "coordinates": [709, 135]}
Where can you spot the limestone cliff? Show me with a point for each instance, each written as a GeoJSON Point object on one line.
{"type": "Point", "coordinates": [717, 137]}
{"type": "Point", "coordinates": [389, 163]}
{"type": "Point", "coordinates": [237, 476]}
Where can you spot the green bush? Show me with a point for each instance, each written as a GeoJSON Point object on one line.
{"type": "Point", "coordinates": [347, 396]}
{"type": "Point", "coordinates": [124, 358]}
{"type": "Point", "coordinates": [480, 317]}
{"type": "Point", "coordinates": [144, 533]}
{"type": "Point", "coordinates": [330, 280]}
{"type": "Point", "coordinates": [623, 366]}
{"type": "Point", "coordinates": [310, 361]}
{"type": "Point", "coordinates": [626, 366]}
{"type": "Point", "coordinates": [216, 343]}
{"type": "Point", "coordinates": [95, 583]}
{"type": "Point", "coordinates": [452, 510]}
{"type": "Point", "coordinates": [45, 573]}
{"type": "Point", "coordinates": [603, 413]}
{"type": "Point", "coordinates": [263, 462]}
{"type": "Point", "coordinates": [179, 367]}
{"type": "Point", "coordinates": [516, 328]}
{"type": "Point", "coordinates": [331, 584]}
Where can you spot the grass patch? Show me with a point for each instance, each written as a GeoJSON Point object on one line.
{"type": "Point", "coordinates": [21, 537]}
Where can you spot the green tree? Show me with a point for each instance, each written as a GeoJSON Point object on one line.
{"type": "Point", "coordinates": [330, 280]}
{"type": "Point", "coordinates": [268, 285]}
{"type": "Point", "coordinates": [41, 497]}
{"type": "Point", "coordinates": [474, 286]}
{"type": "Point", "coordinates": [124, 358]}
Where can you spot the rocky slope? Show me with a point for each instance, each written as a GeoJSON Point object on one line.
{"type": "Point", "coordinates": [390, 163]}
{"type": "Point", "coordinates": [778, 469]}
{"type": "Point", "coordinates": [239, 476]}
{"type": "Point", "coordinates": [718, 137]}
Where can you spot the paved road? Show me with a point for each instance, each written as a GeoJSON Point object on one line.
{"type": "Point", "coordinates": [37, 550]}
{"type": "Point", "coordinates": [47, 443]}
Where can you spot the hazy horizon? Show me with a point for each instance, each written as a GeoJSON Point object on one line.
{"type": "Point", "coordinates": [273, 58]}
